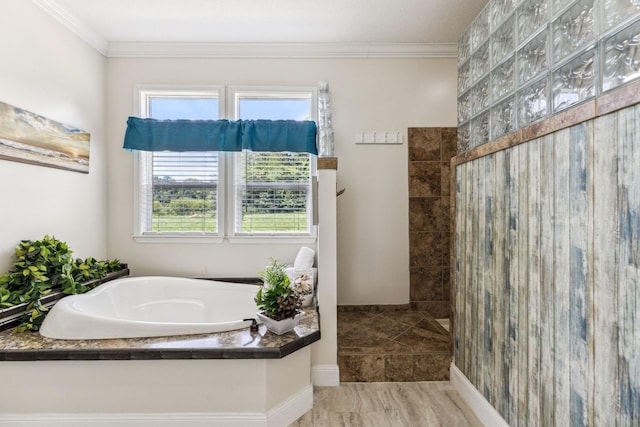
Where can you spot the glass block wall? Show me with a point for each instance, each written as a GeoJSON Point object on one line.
{"type": "Point", "coordinates": [522, 61]}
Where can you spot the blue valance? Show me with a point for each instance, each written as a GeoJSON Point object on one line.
{"type": "Point", "coordinates": [220, 135]}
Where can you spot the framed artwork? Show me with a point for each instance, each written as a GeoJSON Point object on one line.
{"type": "Point", "coordinates": [30, 138]}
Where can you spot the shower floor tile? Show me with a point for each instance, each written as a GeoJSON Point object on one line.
{"type": "Point", "coordinates": [391, 346]}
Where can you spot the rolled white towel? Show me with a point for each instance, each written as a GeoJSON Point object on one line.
{"type": "Point", "coordinates": [304, 259]}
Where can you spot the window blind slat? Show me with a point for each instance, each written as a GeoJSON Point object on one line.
{"type": "Point", "coordinates": [272, 193]}
{"type": "Point", "coordinates": [185, 187]}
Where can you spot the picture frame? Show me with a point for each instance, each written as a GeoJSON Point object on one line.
{"type": "Point", "coordinates": [27, 137]}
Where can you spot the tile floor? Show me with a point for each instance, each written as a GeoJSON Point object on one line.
{"type": "Point", "coordinates": [444, 323]}
{"type": "Point", "coordinates": [410, 404]}
{"type": "Point", "coordinates": [394, 345]}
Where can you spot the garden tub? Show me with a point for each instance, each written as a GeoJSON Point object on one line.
{"type": "Point", "coordinates": [153, 306]}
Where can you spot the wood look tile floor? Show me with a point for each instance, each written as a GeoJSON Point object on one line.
{"type": "Point", "coordinates": [412, 404]}
{"type": "Point", "coordinates": [399, 345]}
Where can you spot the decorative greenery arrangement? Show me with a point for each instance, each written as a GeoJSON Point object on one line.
{"type": "Point", "coordinates": [44, 265]}
{"type": "Point", "coordinates": [276, 297]}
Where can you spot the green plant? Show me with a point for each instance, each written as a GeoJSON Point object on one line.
{"type": "Point", "coordinates": [75, 274]}
{"type": "Point", "coordinates": [43, 265]}
{"type": "Point", "coordinates": [276, 297]}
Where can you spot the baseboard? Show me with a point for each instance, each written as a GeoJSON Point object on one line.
{"type": "Point", "coordinates": [139, 420]}
{"type": "Point", "coordinates": [292, 409]}
{"type": "Point", "coordinates": [325, 375]}
{"type": "Point", "coordinates": [283, 415]}
{"type": "Point", "coordinates": [476, 401]}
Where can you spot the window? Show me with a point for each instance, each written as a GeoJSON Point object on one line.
{"type": "Point", "coordinates": [225, 194]}
{"type": "Point", "coordinates": [272, 192]}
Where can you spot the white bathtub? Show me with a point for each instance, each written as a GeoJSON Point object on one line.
{"type": "Point", "coordinates": [134, 307]}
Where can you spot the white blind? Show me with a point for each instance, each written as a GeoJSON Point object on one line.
{"type": "Point", "coordinates": [184, 192]}
{"type": "Point", "coordinates": [181, 187]}
{"type": "Point", "coordinates": [272, 193]}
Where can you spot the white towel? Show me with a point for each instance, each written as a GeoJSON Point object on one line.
{"type": "Point", "coordinates": [304, 259]}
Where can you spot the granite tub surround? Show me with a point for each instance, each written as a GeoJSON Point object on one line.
{"type": "Point", "coordinates": [238, 344]}
{"type": "Point", "coordinates": [239, 377]}
{"type": "Point", "coordinates": [378, 343]}
{"type": "Point", "coordinates": [430, 153]}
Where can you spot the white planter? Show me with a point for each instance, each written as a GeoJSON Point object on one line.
{"type": "Point", "coordinates": [280, 327]}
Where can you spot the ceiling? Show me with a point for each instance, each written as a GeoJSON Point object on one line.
{"type": "Point", "coordinates": [117, 23]}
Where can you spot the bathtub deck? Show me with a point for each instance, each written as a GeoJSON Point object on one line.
{"type": "Point", "coordinates": [239, 344]}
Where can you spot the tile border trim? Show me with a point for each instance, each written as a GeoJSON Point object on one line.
{"type": "Point", "coordinates": [374, 308]}
{"type": "Point", "coordinates": [327, 163]}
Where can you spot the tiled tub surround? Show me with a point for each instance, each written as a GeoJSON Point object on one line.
{"type": "Point", "coordinates": [391, 343]}
{"type": "Point", "coordinates": [238, 344]}
{"type": "Point", "coordinates": [229, 378]}
{"type": "Point", "coordinates": [430, 153]}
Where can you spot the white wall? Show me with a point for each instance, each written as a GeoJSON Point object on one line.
{"type": "Point", "coordinates": [367, 95]}
{"type": "Point", "coordinates": [49, 71]}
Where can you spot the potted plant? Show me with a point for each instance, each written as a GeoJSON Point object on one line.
{"type": "Point", "coordinates": [278, 301]}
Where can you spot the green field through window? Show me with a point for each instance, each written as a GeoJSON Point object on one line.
{"type": "Point", "coordinates": [295, 222]}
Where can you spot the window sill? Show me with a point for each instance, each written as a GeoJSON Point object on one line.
{"type": "Point", "coordinates": [178, 238]}
{"type": "Point", "coordinates": [205, 239]}
{"type": "Point", "coordinates": [272, 239]}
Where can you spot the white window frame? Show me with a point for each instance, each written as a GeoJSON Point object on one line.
{"type": "Point", "coordinates": [226, 200]}
{"type": "Point", "coordinates": [142, 171]}
{"type": "Point", "coordinates": [234, 93]}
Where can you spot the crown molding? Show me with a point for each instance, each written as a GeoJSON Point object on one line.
{"type": "Point", "coordinates": [67, 19]}
{"type": "Point", "coordinates": [281, 50]}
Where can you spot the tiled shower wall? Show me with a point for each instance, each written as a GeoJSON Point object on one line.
{"type": "Point", "coordinates": [547, 320]}
{"type": "Point", "coordinates": [547, 258]}
{"type": "Point", "coordinates": [430, 152]}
